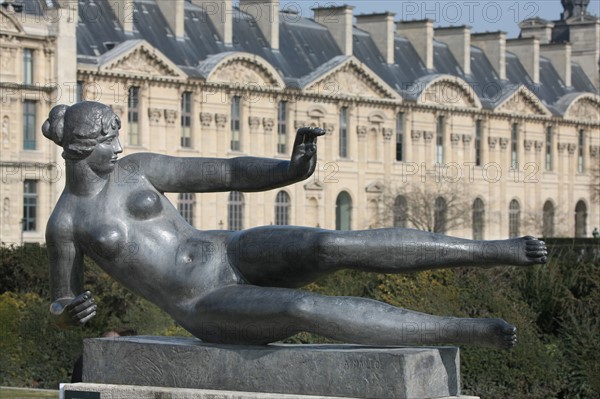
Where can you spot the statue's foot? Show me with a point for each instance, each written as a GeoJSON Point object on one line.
{"type": "Point", "coordinates": [494, 333]}
{"type": "Point", "coordinates": [524, 251]}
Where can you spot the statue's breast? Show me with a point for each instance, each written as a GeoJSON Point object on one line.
{"type": "Point", "coordinates": [107, 241]}
{"type": "Point", "coordinates": [144, 204]}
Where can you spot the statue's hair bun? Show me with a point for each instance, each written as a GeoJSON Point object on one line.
{"type": "Point", "coordinates": [54, 126]}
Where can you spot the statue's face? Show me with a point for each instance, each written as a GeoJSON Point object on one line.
{"type": "Point", "coordinates": [103, 158]}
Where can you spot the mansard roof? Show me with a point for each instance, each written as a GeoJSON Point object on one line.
{"type": "Point", "coordinates": [308, 50]}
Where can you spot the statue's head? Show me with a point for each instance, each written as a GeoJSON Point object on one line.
{"type": "Point", "coordinates": [77, 128]}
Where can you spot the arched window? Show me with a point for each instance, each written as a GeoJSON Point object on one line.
{"type": "Point", "coordinates": [235, 211]}
{"type": "Point", "coordinates": [400, 211]}
{"type": "Point", "coordinates": [514, 218]}
{"type": "Point", "coordinates": [580, 219]}
{"type": "Point", "coordinates": [548, 219]}
{"type": "Point", "coordinates": [478, 219]}
{"type": "Point", "coordinates": [186, 205]}
{"type": "Point", "coordinates": [440, 215]}
{"type": "Point", "coordinates": [282, 209]}
{"type": "Point", "coordinates": [343, 212]}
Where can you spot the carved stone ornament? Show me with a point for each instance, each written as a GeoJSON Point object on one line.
{"type": "Point", "coordinates": [329, 128]}
{"type": "Point", "coordinates": [298, 124]}
{"type": "Point", "coordinates": [268, 124]}
{"type": "Point", "coordinates": [585, 110]}
{"type": "Point", "coordinates": [221, 120]}
{"type": "Point", "coordinates": [528, 144]}
{"type": "Point", "coordinates": [244, 73]}
{"type": "Point", "coordinates": [572, 147]}
{"type": "Point", "coordinates": [428, 135]}
{"type": "Point", "coordinates": [539, 145]}
{"type": "Point", "coordinates": [454, 138]}
{"type": "Point", "coordinates": [7, 61]}
{"type": "Point", "coordinates": [467, 138]}
{"type": "Point", "coordinates": [253, 122]}
{"type": "Point", "coordinates": [375, 187]}
{"type": "Point", "coordinates": [562, 147]}
{"type": "Point", "coordinates": [361, 131]}
{"type": "Point", "coordinates": [388, 133]}
{"type": "Point", "coordinates": [141, 61]}
{"type": "Point", "coordinates": [594, 151]}
{"type": "Point", "coordinates": [118, 110]}
{"type": "Point", "coordinates": [504, 142]}
{"type": "Point", "coordinates": [154, 115]}
{"type": "Point", "coordinates": [8, 25]}
{"type": "Point", "coordinates": [415, 135]}
{"type": "Point", "coordinates": [206, 119]}
{"type": "Point", "coordinates": [170, 116]}
{"type": "Point", "coordinates": [492, 141]}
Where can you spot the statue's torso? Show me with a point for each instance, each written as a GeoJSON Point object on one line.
{"type": "Point", "coordinates": [138, 237]}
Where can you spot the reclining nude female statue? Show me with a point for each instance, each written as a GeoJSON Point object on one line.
{"type": "Point", "coordinates": [238, 287]}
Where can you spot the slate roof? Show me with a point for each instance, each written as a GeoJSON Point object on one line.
{"type": "Point", "coordinates": [307, 50]}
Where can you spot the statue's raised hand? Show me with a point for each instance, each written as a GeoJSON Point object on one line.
{"type": "Point", "coordinates": [74, 312]}
{"type": "Point", "coordinates": [304, 154]}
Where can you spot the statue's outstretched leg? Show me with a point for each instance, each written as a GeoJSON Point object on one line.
{"type": "Point", "coordinates": [293, 256]}
{"type": "Point", "coordinates": [247, 314]}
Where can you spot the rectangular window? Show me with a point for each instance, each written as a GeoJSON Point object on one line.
{"type": "Point", "coordinates": [439, 140]}
{"type": "Point", "coordinates": [27, 66]}
{"type": "Point", "coordinates": [282, 127]}
{"type": "Point", "coordinates": [400, 136]}
{"type": "Point", "coordinates": [29, 205]}
{"type": "Point", "coordinates": [79, 92]}
{"type": "Point", "coordinates": [235, 123]}
{"type": "Point", "coordinates": [343, 132]}
{"type": "Point", "coordinates": [133, 115]}
{"type": "Point", "coordinates": [514, 146]}
{"type": "Point", "coordinates": [478, 138]}
{"type": "Point", "coordinates": [549, 148]}
{"type": "Point", "coordinates": [580, 150]}
{"type": "Point", "coordinates": [29, 124]}
{"type": "Point", "coordinates": [186, 119]}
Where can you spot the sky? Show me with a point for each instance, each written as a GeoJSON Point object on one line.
{"type": "Point", "coordinates": [482, 16]}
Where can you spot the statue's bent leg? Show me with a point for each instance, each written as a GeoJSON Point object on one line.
{"type": "Point", "coordinates": [292, 256]}
{"type": "Point", "coordinates": [247, 314]}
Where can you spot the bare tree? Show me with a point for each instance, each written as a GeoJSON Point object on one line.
{"type": "Point", "coordinates": [437, 208]}
{"type": "Point", "coordinates": [595, 184]}
{"type": "Point", "coordinates": [546, 222]}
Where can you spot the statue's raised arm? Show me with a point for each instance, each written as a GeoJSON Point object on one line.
{"type": "Point", "coordinates": [239, 287]}
{"type": "Point", "coordinates": [177, 174]}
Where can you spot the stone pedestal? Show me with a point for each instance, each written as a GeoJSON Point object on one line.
{"type": "Point", "coordinates": [349, 371]}
{"type": "Point", "coordinates": [109, 391]}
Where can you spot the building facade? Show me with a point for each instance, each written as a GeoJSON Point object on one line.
{"type": "Point", "coordinates": [511, 124]}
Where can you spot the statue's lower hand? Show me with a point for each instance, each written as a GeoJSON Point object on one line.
{"type": "Point", "coordinates": [74, 312]}
{"type": "Point", "coordinates": [304, 154]}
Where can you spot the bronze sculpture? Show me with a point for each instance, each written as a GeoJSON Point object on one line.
{"type": "Point", "coordinates": [238, 286]}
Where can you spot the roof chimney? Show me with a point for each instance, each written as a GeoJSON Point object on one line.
{"type": "Point", "coordinates": [173, 11]}
{"type": "Point", "coordinates": [458, 39]}
{"type": "Point", "coordinates": [338, 20]}
{"type": "Point", "coordinates": [266, 16]}
{"type": "Point", "coordinates": [420, 35]}
{"type": "Point", "coordinates": [123, 10]}
{"type": "Point", "coordinates": [381, 28]}
{"type": "Point", "coordinates": [559, 55]}
{"type": "Point", "coordinates": [528, 51]}
{"type": "Point", "coordinates": [493, 45]}
{"type": "Point", "coordinates": [220, 13]}
{"type": "Point", "coordinates": [537, 27]}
